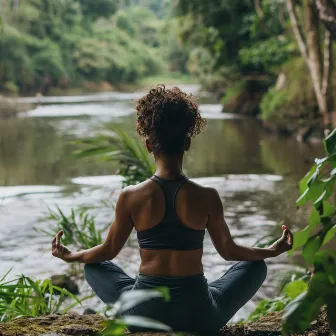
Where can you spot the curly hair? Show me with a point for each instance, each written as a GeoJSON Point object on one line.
{"type": "Point", "coordinates": [167, 117]}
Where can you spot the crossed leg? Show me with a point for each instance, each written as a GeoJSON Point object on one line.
{"type": "Point", "coordinates": [107, 280]}
{"type": "Point", "coordinates": [237, 286]}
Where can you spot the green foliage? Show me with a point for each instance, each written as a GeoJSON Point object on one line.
{"type": "Point", "coordinates": [292, 102]}
{"type": "Point", "coordinates": [47, 44]}
{"type": "Point", "coordinates": [268, 54]}
{"type": "Point", "coordinates": [290, 292]}
{"type": "Point", "coordinates": [272, 102]}
{"type": "Point", "coordinates": [79, 228]}
{"type": "Point", "coordinates": [116, 145]}
{"type": "Point", "coordinates": [235, 35]}
{"type": "Point", "coordinates": [234, 91]}
{"type": "Point", "coordinates": [24, 296]}
{"type": "Point", "coordinates": [98, 8]}
{"type": "Point", "coordinates": [318, 188]}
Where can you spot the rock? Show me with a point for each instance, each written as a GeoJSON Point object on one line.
{"type": "Point", "coordinates": [281, 81]}
{"type": "Point", "coordinates": [76, 330]}
{"type": "Point", "coordinates": [70, 324]}
{"type": "Point", "coordinates": [63, 281]}
{"type": "Point", "coordinates": [89, 311]}
{"type": "Point", "coordinates": [269, 325]}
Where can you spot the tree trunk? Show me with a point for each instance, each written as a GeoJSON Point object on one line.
{"type": "Point", "coordinates": [319, 66]}
{"type": "Point", "coordinates": [327, 12]}
{"type": "Point", "coordinates": [315, 57]}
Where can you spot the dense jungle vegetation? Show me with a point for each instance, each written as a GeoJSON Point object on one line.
{"type": "Point", "coordinates": [46, 44]}
{"type": "Point", "coordinates": [269, 58]}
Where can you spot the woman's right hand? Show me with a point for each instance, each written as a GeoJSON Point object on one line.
{"type": "Point", "coordinates": [59, 250]}
{"type": "Point", "coordinates": [284, 244]}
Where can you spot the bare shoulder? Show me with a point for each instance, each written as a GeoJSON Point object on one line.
{"type": "Point", "coordinates": [133, 193]}
{"type": "Point", "coordinates": [208, 192]}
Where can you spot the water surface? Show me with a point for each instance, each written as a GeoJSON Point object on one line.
{"type": "Point", "coordinates": [255, 172]}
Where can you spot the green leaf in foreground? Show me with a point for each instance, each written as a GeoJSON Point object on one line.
{"type": "Point", "coordinates": [144, 322]}
{"type": "Point", "coordinates": [132, 298]}
{"type": "Point", "coordinates": [295, 288]}
{"type": "Point", "coordinates": [311, 247]}
{"type": "Point", "coordinates": [301, 312]}
{"type": "Point", "coordinates": [330, 143]}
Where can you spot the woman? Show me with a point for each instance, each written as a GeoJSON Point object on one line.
{"type": "Point", "coordinates": [170, 214]}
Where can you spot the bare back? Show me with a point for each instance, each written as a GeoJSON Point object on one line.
{"type": "Point", "coordinates": [146, 203]}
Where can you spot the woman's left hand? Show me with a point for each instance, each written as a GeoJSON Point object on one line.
{"type": "Point", "coordinates": [285, 243]}
{"type": "Point", "coordinates": [60, 251]}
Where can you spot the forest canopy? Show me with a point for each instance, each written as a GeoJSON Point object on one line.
{"type": "Point", "coordinates": [64, 43]}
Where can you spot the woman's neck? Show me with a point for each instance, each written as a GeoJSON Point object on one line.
{"type": "Point", "coordinates": [169, 167]}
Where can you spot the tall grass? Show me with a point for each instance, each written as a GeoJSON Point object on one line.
{"type": "Point", "coordinates": [24, 296]}
{"type": "Point", "coordinates": [79, 228]}
{"type": "Point", "coordinates": [135, 163]}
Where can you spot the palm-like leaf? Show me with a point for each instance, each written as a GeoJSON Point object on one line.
{"type": "Point", "coordinates": [135, 164]}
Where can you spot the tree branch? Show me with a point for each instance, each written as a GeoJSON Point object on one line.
{"type": "Point", "coordinates": [296, 29]}
{"type": "Point", "coordinates": [327, 12]}
{"type": "Point", "coordinates": [326, 63]}
{"type": "Point", "coordinates": [258, 9]}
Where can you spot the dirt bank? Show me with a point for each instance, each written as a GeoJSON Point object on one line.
{"type": "Point", "coordinates": [9, 108]}
{"type": "Point", "coordinates": [74, 324]}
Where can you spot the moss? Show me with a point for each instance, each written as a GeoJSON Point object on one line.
{"type": "Point", "coordinates": [272, 102]}
{"type": "Point", "coordinates": [292, 106]}
{"type": "Point", "coordinates": [234, 91]}
{"type": "Point", "coordinates": [244, 97]}
{"type": "Point", "coordinates": [74, 324]}
{"type": "Point", "coordinates": [77, 324]}
{"type": "Point", "coordinates": [11, 88]}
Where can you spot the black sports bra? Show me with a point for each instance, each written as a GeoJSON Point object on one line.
{"type": "Point", "coordinates": [170, 233]}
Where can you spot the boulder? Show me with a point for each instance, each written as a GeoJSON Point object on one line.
{"type": "Point", "coordinates": [64, 281]}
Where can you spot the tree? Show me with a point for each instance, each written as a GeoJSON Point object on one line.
{"type": "Point", "coordinates": [98, 8]}
{"type": "Point", "coordinates": [317, 58]}
{"type": "Point", "coordinates": [327, 12]}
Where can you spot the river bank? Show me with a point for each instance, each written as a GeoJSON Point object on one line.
{"type": "Point", "coordinates": [74, 324]}
{"type": "Point", "coordinates": [270, 105]}
{"type": "Point", "coordinates": [9, 108]}
{"type": "Point", "coordinates": [285, 104]}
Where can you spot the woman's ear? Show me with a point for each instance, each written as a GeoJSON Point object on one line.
{"type": "Point", "coordinates": [148, 146]}
{"type": "Point", "coordinates": [187, 144]}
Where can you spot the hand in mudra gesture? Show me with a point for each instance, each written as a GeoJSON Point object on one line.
{"type": "Point", "coordinates": [285, 243]}
{"type": "Point", "coordinates": [58, 250]}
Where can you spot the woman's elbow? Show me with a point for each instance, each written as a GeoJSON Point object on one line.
{"type": "Point", "coordinates": [228, 255]}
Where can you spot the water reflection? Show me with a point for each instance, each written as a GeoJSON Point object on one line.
{"type": "Point", "coordinates": [38, 150]}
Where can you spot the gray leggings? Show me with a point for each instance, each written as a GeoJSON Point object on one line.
{"type": "Point", "coordinates": [194, 306]}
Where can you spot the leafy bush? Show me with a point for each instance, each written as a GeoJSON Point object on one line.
{"type": "Point", "coordinates": [79, 228]}
{"type": "Point", "coordinates": [274, 101]}
{"type": "Point", "coordinates": [318, 188]}
{"type": "Point", "coordinates": [24, 296]}
{"type": "Point", "coordinates": [292, 103]}
{"type": "Point", "coordinates": [234, 91]}
{"type": "Point", "coordinates": [290, 292]}
{"type": "Point", "coordinates": [135, 163]}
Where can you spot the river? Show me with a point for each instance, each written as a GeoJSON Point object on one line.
{"type": "Point", "coordinates": [255, 172]}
